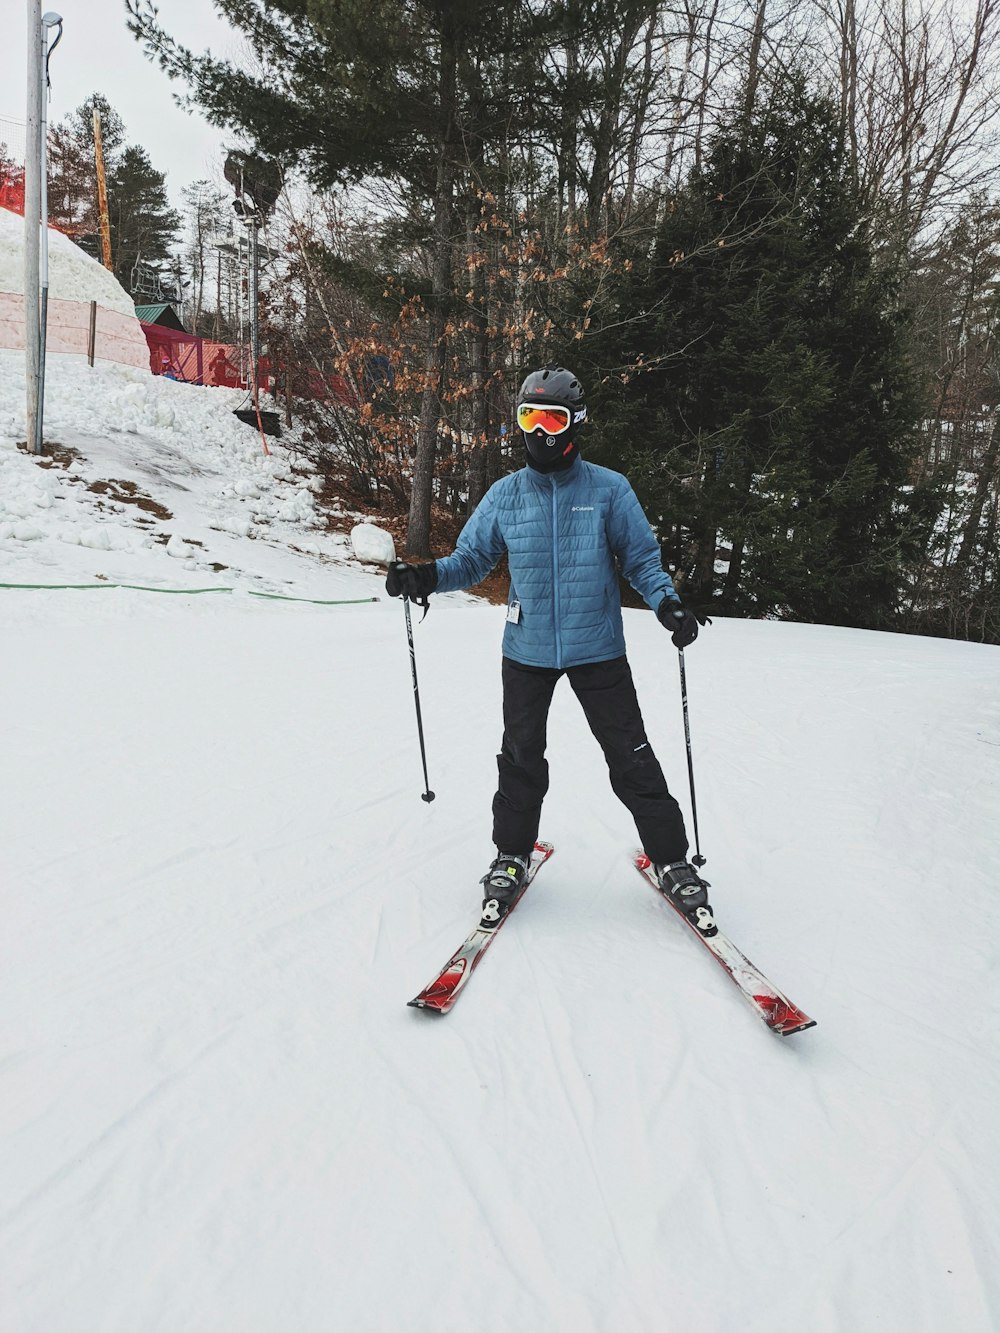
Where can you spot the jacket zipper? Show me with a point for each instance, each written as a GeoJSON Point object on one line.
{"type": "Point", "coordinates": [555, 572]}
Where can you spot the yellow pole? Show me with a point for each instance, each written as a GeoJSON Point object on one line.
{"type": "Point", "coordinates": [102, 193]}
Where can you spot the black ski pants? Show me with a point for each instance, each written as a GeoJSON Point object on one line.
{"type": "Point", "coordinates": [608, 698]}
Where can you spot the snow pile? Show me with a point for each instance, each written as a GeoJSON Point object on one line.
{"type": "Point", "coordinates": [73, 274]}
{"type": "Point", "coordinates": [372, 545]}
{"type": "Point", "coordinates": [75, 280]}
{"type": "Point", "coordinates": [153, 473]}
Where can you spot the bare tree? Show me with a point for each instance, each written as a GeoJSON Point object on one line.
{"type": "Point", "coordinates": [206, 216]}
{"type": "Point", "coordinates": [919, 94]}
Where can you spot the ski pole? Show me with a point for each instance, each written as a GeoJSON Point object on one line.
{"type": "Point", "coordinates": [697, 859]}
{"type": "Point", "coordinates": [427, 795]}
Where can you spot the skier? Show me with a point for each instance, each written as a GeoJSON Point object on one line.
{"type": "Point", "coordinates": [563, 523]}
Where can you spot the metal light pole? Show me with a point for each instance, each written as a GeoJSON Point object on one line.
{"type": "Point", "coordinates": [32, 213]}
{"type": "Point", "coordinates": [48, 21]}
{"type": "Point", "coordinates": [251, 218]}
{"type": "Point", "coordinates": [255, 294]}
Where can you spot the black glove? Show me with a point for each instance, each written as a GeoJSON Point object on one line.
{"type": "Point", "coordinates": [413, 581]}
{"type": "Point", "coordinates": [680, 620]}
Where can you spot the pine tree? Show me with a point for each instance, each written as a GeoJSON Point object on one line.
{"type": "Point", "coordinates": [72, 168]}
{"type": "Point", "coordinates": [416, 95]}
{"type": "Point", "coordinates": [957, 291]}
{"type": "Point", "coordinates": [143, 225]}
{"type": "Point", "coordinates": [770, 409]}
{"type": "Point", "coordinates": [207, 217]}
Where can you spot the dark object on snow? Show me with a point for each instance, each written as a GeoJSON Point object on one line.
{"type": "Point", "coordinates": [697, 860]}
{"type": "Point", "coordinates": [505, 881]}
{"type": "Point", "coordinates": [270, 421]}
{"type": "Point", "coordinates": [688, 892]}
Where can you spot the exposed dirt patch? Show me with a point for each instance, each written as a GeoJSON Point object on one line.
{"type": "Point", "coordinates": [164, 537]}
{"type": "Point", "coordinates": [55, 455]}
{"type": "Point", "coordinates": [127, 492]}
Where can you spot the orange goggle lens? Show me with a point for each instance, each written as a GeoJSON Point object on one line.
{"type": "Point", "coordinates": [552, 420]}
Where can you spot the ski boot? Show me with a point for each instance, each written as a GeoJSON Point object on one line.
{"type": "Point", "coordinates": [680, 882]}
{"type": "Point", "coordinates": [504, 882]}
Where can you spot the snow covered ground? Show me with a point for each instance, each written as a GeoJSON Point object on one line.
{"type": "Point", "coordinates": [154, 482]}
{"type": "Point", "coordinates": [220, 887]}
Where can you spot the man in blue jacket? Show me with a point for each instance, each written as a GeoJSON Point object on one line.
{"type": "Point", "coordinates": [564, 523]}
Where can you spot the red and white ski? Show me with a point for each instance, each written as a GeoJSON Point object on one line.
{"type": "Point", "coordinates": [777, 1011]}
{"type": "Point", "coordinates": [440, 994]}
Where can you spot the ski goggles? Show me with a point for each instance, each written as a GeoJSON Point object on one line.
{"type": "Point", "coordinates": [534, 416]}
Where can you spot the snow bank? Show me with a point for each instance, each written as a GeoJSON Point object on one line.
{"type": "Point", "coordinates": [156, 470]}
{"type": "Point", "coordinates": [75, 280]}
{"type": "Point", "coordinates": [73, 274]}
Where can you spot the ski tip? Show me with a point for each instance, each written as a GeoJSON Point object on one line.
{"type": "Point", "coordinates": [780, 1015]}
{"type": "Point", "coordinates": [425, 1007]}
{"type": "Point", "coordinates": [798, 1027]}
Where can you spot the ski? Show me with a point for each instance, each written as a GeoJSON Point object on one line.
{"type": "Point", "coordinates": [439, 995]}
{"type": "Point", "coordinates": [777, 1011]}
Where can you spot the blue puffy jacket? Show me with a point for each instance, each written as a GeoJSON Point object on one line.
{"type": "Point", "coordinates": [562, 532]}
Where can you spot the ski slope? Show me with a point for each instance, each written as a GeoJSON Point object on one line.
{"type": "Point", "coordinates": [220, 888]}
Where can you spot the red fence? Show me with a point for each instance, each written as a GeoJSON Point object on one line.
{"type": "Point", "coordinates": [191, 360]}
{"type": "Point", "coordinates": [181, 356]}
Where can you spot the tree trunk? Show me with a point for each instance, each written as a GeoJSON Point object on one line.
{"type": "Point", "coordinates": [418, 533]}
{"type": "Point", "coordinates": [849, 86]}
{"type": "Point", "coordinates": [639, 128]}
{"type": "Point", "coordinates": [731, 587]}
{"type": "Point", "coordinates": [987, 476]}
{"type": "Point", "coordinates": [704, 568]}
{"type": "Point", "coordinates": [478, 361]}
{"type": "Point", "coordinates": [568, 166]}
{"type": "Point", "coordinates": [753, 69]}
{"type": "Point", "coordinates": [614, 90]}
{"type": "Point", "coordinates": [706, 81]}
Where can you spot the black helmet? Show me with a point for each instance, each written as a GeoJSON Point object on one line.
{"type": "Point", "coordinates": [551, 442]}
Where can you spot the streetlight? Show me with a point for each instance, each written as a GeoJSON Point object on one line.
{"type": "Point", "coordinates": [36, 215]}
{"type": "Point", "coordinates": [49, 20]}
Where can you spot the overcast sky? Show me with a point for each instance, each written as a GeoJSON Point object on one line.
{"type": "Point", "coordinates": [98, 54]}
